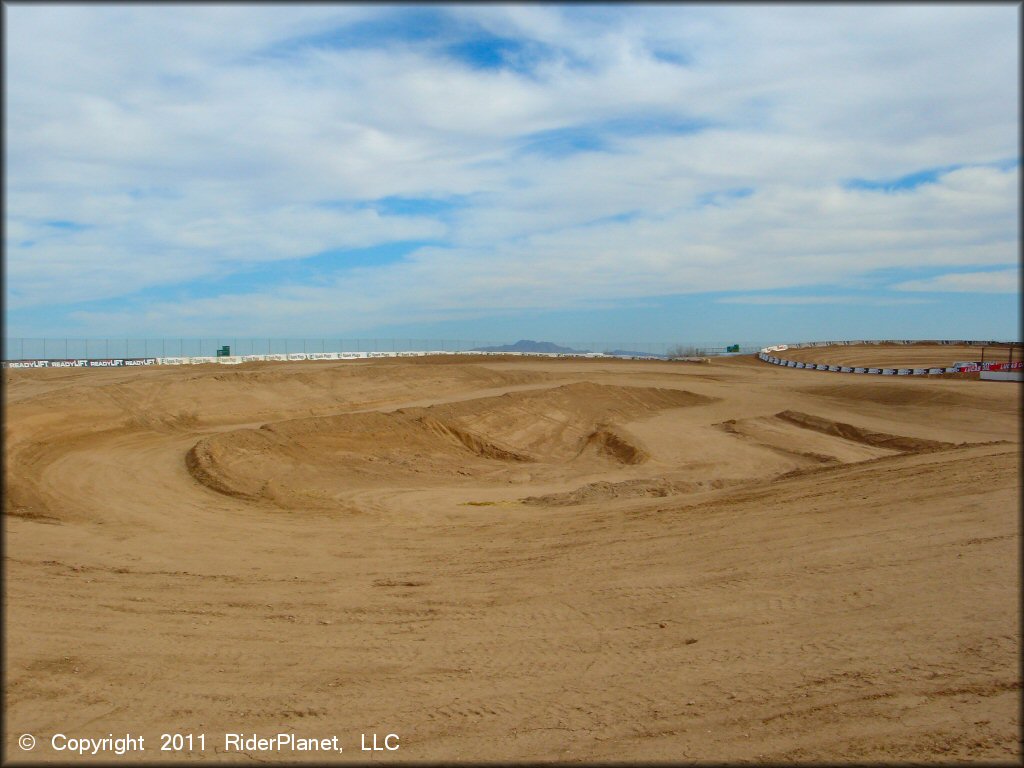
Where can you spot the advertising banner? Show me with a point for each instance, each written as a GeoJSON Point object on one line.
{"type": "Point", "coordinates": [1014, 366]}
{"type": "Point", "coordinates": [27, 364]}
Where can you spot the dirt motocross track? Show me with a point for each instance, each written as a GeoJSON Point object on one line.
{"type": "Point", "coordinates": [515, 559]}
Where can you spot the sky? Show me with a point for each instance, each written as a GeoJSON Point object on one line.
{"type": "Point", "coordinates": [663, 173]}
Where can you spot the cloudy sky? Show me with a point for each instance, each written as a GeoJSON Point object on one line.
{"type": "Point", "coordinates": [654, 172]}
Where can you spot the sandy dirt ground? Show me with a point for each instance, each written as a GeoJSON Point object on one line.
{"type": "Point", "coordinates": [515, 559]}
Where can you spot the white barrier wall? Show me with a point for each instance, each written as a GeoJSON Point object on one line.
{"type": "Point", "coordinates": [1002, 375]}
{"type": "Point", "coordinates": [767, 354]}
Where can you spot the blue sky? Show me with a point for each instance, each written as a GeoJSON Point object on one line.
{"type": "Point", "coordinates": [656, 173]}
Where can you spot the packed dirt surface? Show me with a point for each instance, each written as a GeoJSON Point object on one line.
{"type": "Point", "coordinates": [900, 355]}
{"type": "Point", "coordinates": [516, 559]}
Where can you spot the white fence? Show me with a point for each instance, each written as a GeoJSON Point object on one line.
{"type": "Point", "coordinates": [294, 356]}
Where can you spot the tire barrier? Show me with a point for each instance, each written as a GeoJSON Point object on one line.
{"type": "Point", "coordinates": [769, 355]}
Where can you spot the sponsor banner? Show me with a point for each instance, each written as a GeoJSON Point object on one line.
{"type": "Point", "coordinates": [171, 361]}
{"type": "Point", "coordinates": [298, 356]}
{"type": "Point", "coordinates": [201, 360]}
{"type": "Point", "coordinates": [229, 359]}
{"type": "Point", "coordinates": [253, 358]}
{"type": "Point", "coordinates": [27, 364]}
{"type": "Point", "coordinates": [968, 367]}
{"type": "Point", "coordinates": [277, 357]}
{"type": "Point", "coordinates": [81, 363]}
{"type": "Point", "coordinates": [1014, 366]}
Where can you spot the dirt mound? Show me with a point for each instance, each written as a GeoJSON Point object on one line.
{"type": "Point", "coordinates": [324, 456]}
{"type": "Point", "coordinates": [610, 443]}
{"type": "Point", "coordinates": [478, 445]}
{"type": "Point", "coordinates": [860, 435]}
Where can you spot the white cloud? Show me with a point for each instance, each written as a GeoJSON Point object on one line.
{"type": "Point", "coordinates": [997, 281]}
{"type": "Point", "coordinates": [188, 149]}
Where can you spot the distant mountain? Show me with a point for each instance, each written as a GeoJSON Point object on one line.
{"type": "Point", "coordinates": [525, 345]}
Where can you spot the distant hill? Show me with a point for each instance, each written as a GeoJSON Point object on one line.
{"type": "Point", "coordinates": [525, 345]}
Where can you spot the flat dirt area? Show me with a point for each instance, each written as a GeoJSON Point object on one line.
{"type": "Point", "coordinates": [515, 559]}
